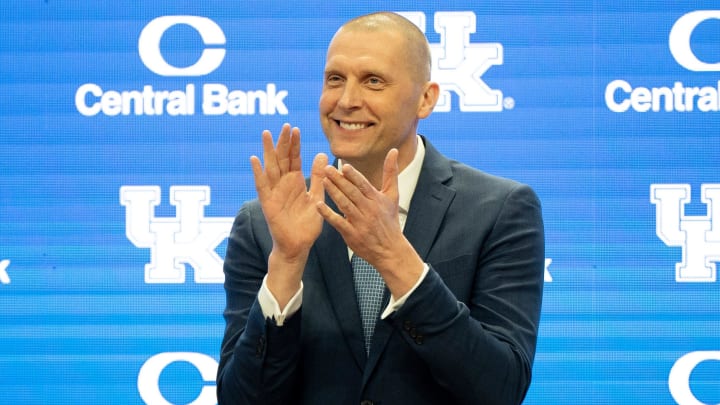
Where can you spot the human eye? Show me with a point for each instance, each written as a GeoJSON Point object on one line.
{"type": "Point", "coordinates": [332, 79]}
{"type": "Point", "coordinates": [375, 82]}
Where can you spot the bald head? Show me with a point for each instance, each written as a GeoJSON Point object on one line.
{"type": "Point", "coordinates": [417, 49]}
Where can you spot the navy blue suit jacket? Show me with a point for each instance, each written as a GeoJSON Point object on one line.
{"type": "Point", "coordinates": [466, 335]}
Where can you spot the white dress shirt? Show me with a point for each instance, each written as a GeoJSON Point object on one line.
{"type": "Point", "coordinates": [407, 180]}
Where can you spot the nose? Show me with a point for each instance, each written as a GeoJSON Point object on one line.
{"type": "Point", "coordinates": [351, 96]}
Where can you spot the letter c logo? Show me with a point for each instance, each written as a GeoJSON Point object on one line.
{"type": "Point", "coordinates": [679, 379]}
{"type": "Point", "coordinates": [679, 41]}
{"type": "Point", "coordinates": [210, 32]}
{"type": "Point", "coordinates": [149, 377]}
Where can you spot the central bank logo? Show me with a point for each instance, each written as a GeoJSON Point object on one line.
{"type": "Point", "coordinates": [622, 96]}
{"type": "Point", "coordinates": [699, 236]}
{"type": "Point", "coordinates": [681, 374]}
{"type": "Point", "coordinates": [4, 278]}
{"type": "Point", "coordinates": [680, 45]}
{"type": "Point", "coordinates": [149, 377]}
{"type": "Point", "coordinates": [212, 98]}
{"type": "Point", "coordinates": [190, 238]}
{"type": "Point", "coordinates": [458, 65]}
{"type": "Point", "coordinates": [210, 58]}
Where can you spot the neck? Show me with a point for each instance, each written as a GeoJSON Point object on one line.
{"type": "Point", "coordinates": [372, 172]}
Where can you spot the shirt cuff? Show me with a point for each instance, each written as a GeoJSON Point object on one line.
{"type": "Point", "coordinates": [394, 305]}
{"type": "Point", "coordinates": [271, 308]}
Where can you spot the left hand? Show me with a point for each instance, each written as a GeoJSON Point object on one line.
{"type": "Point", "coordinates": [370, 222]}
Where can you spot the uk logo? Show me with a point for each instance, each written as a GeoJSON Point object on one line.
{"type": "Point", "coordinates": [189, 238]}
{"type": "Point", "coordinates": [699, 236]}
{"type": "Point", "coordinates": [458, 65]}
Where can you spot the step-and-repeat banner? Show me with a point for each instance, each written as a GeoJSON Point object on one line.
{"type": "Point", "coordinates": [125, 136]}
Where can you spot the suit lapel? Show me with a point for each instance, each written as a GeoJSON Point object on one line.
{"type": "Point", "coordinates": [430, 201]}
{"type": "Point", "coordinates": [337, 273]}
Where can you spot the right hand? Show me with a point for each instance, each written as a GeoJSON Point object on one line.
{"type": "Point", "coordinates": [290, 208]}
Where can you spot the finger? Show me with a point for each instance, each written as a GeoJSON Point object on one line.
{"type": "Point", "coordinates": [283, 149]}
{"type": "Point", "coordinates": [391, 171]}
{"type": "Point", "coordinates": [343, 188]}
{"type": "Point", "coordinates": [335, 220]}
{"type": "Point", "coordinates": [317, 174]}
{"type": "Point", "coordinates": [295, 163]}
{"type": "Point", "coordinates": [261, 181]}
{"type": "Point", "coordinates": [337, 193]}
{"type": "Point", "coordinates": [270, 158]}
{"type": "Point", "coordinates": [358, 181]}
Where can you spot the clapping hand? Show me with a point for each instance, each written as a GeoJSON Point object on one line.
{"type": "Point", "coordinates": [290, 208]}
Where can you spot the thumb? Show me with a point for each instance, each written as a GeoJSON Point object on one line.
{"type": "Point", "coordinates": [317, 174]}
{"type": "Point", "coordinates": [390, 175]}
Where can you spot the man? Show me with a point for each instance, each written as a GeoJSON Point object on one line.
{"type": "Point", "coordinates": [458, 253]}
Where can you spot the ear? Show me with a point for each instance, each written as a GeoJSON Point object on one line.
{"type": "Point", "coordinates": [428, 99]}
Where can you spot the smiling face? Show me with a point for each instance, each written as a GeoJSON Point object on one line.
{"type": "Point", "coordinates": [373, 96]}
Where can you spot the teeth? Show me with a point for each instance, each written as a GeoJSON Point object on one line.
{"type": "Point", "coordinates": [351, 126]}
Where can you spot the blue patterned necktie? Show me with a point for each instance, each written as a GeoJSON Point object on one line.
{"type": "Point", "coordinates": [369, 288]}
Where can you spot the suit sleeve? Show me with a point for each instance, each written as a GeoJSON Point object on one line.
{"type": "Point", "coordinates": [482, 350]}
{"type": "Point", "coordinates": [258, 359]}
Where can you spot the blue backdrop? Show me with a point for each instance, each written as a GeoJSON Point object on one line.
{"type": "Point", "coordinates": [125, 133]}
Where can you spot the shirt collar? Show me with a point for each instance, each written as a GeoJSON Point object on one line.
{"type": "Point", "coordinates": [408, 178]}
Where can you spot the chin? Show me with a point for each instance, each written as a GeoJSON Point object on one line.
{"type": "Point", "coordinates": [345, 151]}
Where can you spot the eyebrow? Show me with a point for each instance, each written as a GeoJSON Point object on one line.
{"type": "Point", "coordinates": [361, 73]}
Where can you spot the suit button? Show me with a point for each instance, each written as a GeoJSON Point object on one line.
{"type": "Point", "coordinates": [419, 339]}
{"type": "Point", "coordinates": [260, 348]}
{"type": "Point", "coordinates": [407, 325]}
{"type": "Point", "coordinates": [366, 402]}
{"type": "Point", "coordinates": [413, 333]}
